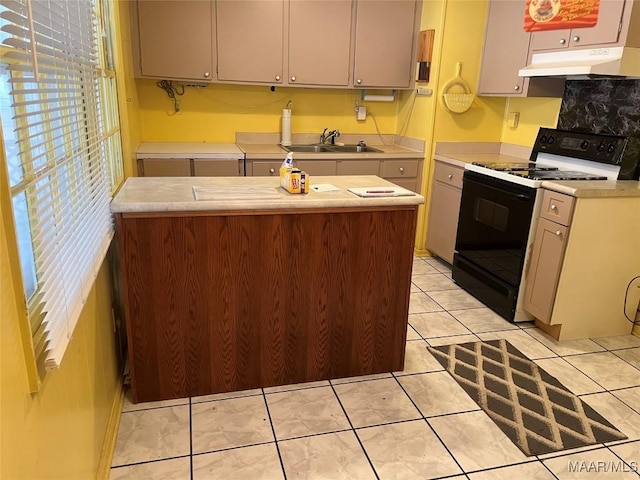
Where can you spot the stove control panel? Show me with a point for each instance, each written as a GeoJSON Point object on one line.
{"type": "Point", "coordinates": [586, 146]}
{"type": "Point", "coordinates": [618, 150]}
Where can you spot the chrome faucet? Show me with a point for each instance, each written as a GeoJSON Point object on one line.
{"type": "Point", "coordinates": [332, 134]}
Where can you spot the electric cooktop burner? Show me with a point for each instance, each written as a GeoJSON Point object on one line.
{"type": "Point", "coordinates": [558, 175]}
{"type": "Point", "coordinates": [514, 167]}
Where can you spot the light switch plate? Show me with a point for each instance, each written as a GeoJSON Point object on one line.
{"type": "Point", "coordinates": [512, 119]}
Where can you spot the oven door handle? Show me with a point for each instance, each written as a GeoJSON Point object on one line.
{"type": "Point", "coordinates": [520, 196]}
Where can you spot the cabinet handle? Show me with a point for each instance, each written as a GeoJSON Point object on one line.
{"type": "Point", "coordinates": [277, 78]}
{"type": "Point", "coordinates": [576, 38]}
{"type": "Point", "coordinates": [516, 87]}
{"type": "Point", "coordinates": [553, 207]}
{"type": "Point", "coordinates": [401, 169]}
{"type": "Point", "coordinates": [450, 176]}
{"type": "Point", "coordinates": [358, 81]}
{"type": "Point", "coordinates": [558, 233]}
{"type": "Point", "coordinates": [272, 170]}
{"type": "Point", "coordinates": [563, 41]}
{"type": "Point", "coordinates": [293, 78]}
{"type": "Point", "coordinates": [206, 74]}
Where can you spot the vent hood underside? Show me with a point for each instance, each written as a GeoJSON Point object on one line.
{"type": "Point", "coordinates": [614, 61]}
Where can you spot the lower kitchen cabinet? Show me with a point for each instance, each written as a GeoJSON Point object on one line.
{"type": "Point", "coordinates": [403, 172]}
{"type": "Point", "coordinates": [446, 193]}
{"type": "Point", "coordinates": [585, 252]}
{"type": "Point", "coordinates": [164, 167]}
{"type": "Point", "coordinates": [189, 167]}
{"type": "Point", "coordinates": [232, 167]}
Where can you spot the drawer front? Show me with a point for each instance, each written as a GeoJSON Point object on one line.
{"type": "Point", "coordinates": [317, 167]}
{"type": "Point", "coordinates": [169, 167]}
{"type": "Point", "coordinates": [399, 168]}
{"type": "Point", "coordinates": [266, 169]}
{"type": "Point", "coordinates": [217, 168]}
{"type": "Point", "coordinates": [408, 183]}
{"type": "Point", "coordinates": [358, 167]}
{"type": "Point", "coordinates": [449, 174]}
{"type": "Point", "coordinates": [557, 207]}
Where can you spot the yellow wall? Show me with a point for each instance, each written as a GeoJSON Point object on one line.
{"type": "Point", "coordinates": [59, 431]}
{"type": "Point", "coordinates": [534, 113]}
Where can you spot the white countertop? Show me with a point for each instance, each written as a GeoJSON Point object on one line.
{"type": "Point", "coordinates": [188, 150]}
{"type": "Point", "coordinates": [175, 194]}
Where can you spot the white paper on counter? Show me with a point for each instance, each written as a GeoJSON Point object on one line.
{"type": "Point", "coordinates": [325, 187]}
{"type": "Point", "coordinates": [228, 192]}
{"type": "Point", "coordinates": [383, 191]}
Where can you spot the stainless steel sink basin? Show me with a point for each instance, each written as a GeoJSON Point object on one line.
{"type": "Point", "coordinates": [327, 148]}
{"type": "Point", "coordinates": [352, 148]}
{"type": "Point", "coordinates": [307, 148]}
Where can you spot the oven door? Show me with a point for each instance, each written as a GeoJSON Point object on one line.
{"type": "Point", "coordinates": [493, 229]}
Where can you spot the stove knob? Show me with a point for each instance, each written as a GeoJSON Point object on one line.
{"type": "Point", "coordinates": [551, 139]}
{"type": "Point", "coordinates": [543, 139]}
{"type": "Point", "coordinates": [612, 148]}
{"type": "Point", "coordinates": [601, 147]}
{"type": "Point", "coordinates": [584, 145]}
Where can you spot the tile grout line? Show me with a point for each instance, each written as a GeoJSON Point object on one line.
{"type": "Point", "coordinates": [273, 431]}
{"type": "Point", "coordinates": [355, 433]}
{"type": "Point", "coordinates": [429, 425]}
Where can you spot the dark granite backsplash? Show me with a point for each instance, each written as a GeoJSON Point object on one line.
{"type": "Point", "coordinates": [601, 106]}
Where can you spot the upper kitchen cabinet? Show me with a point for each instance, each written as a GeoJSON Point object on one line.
{"type": "Point", "coordinates": [319, 42]}
{"type": "Point", "coordinates": [174, 39]}
{"type": "Point", "coordinates": [385, 43]}
{"type": "Point", "coordinates": [250, 40]}
{"type": "Point", "coordinates": [500, 65]}
{"type": "Point", "coordinates": [612, 28]}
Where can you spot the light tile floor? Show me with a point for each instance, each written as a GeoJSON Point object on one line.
{"type": "Point", "coordinates": [414, 424]}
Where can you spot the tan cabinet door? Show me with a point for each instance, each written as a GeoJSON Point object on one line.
{"type": "Point", "coordinates": [606, 31]}
{"type": "Point", "coordinates": [544, 269]}
{"type": "Point", "coordinates": [500, 65]}
{"type": "Point", "coordinates": [176, 39]}
{"type": "Point", "coordinates": [264, 169]}
{"type": "Point", "coordinates": [166, 167]}
{"type": "Point", "coordinates": [230, 167]}
{"type": "Point", "coordinates": [317, 167]}
{"type": "Point", "coordinates": [250, 40]}
{"type": "Point", "coordinates": [319, 42]}
{"type": "Point", "coordinates": [385, 37]}
{"type": "Point", "coordinates": [443, 220]}
{"type": "Point", "coordinates": [358, 167]}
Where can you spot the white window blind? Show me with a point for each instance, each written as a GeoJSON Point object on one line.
{"type": "Point", "coordinates": [62, 144]}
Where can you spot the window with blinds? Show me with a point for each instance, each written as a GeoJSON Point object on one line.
{"type": "Point", "coordinates": [63, 155]}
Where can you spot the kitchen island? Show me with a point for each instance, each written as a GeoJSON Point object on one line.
{"type": "Point", "coordinates": [250, 286]}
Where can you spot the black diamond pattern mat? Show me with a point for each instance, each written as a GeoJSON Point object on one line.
{"type": "Point", "coordinates": [530, 406]}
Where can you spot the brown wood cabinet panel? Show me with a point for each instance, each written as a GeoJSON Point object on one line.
{"type": "Point", "coordinates": [250, 40]}
{"type": "Point", "coordinates": [230, 302]}
{"type": "Point", "coordinates": [176, 39]}
{"type": "Point", "coordinates": [319, 42]}
{"type": "Point", "coordinates": [544, 269]}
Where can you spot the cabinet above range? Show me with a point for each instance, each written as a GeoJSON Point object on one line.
{"type": "Point", "coordinates": [319, 43]}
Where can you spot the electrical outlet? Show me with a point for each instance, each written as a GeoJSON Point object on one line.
{"type": "Point", "coordinates": [424, 92]}
{"type": "Point", "coordinates": [361, 114]}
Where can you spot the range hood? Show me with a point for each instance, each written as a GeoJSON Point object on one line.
{"type": "Point", "coordinates": [614, 61]}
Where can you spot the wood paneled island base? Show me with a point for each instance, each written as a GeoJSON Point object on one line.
{"type": "Point", "coordinates": [227, 301]}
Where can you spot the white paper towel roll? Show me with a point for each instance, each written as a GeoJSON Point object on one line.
{"type": "Point", "coordinates": [286, 127]}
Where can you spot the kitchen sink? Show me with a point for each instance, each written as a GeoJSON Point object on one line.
{"type": "Point", "coordinates": [327, 148]}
